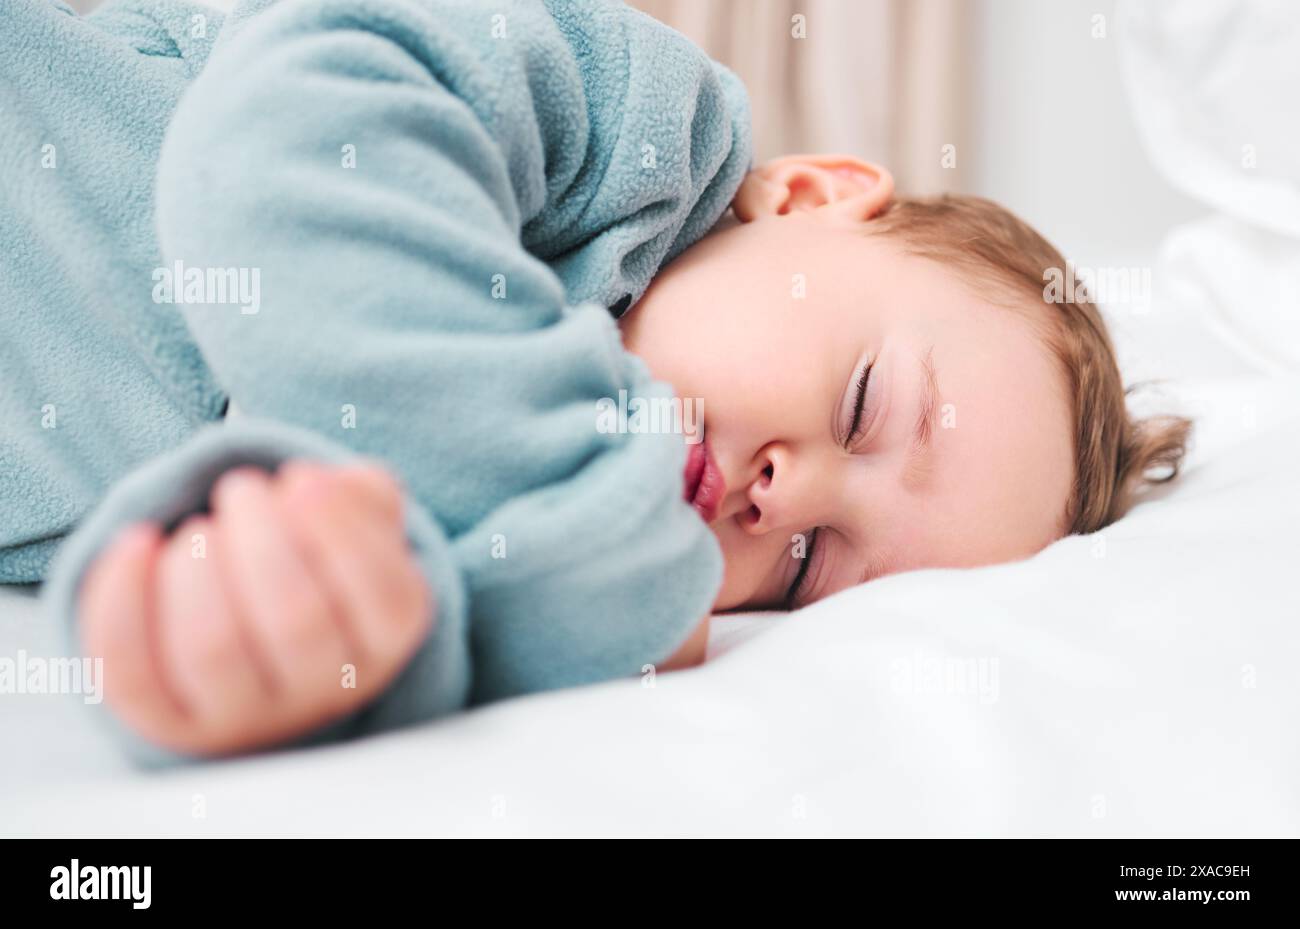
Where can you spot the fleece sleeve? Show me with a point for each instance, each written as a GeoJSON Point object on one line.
{"type": "Point", "coordinates": [431, 204]}
{"type": "Point", "coordinates": [436, 681]}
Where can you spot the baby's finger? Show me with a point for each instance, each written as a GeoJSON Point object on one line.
{"type": "Point", "coordinates": [289, 620]}
{"type": "Point", "coordinates": [114, 608]}
{"type": "Point", "coordinates": [369, 482]}
{"type": "Point", "coordinates": [367, 564]}
{"type": "Point", "coordinates": [201, 638]}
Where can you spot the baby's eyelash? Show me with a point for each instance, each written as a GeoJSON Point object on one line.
{"type": "Point", "coordinates": [858, 405]}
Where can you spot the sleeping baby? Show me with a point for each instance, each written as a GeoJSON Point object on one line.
{"type": "Point", "coordinates": [383, 495]}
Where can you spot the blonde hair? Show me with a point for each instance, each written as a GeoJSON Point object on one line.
{"type": "Point", "coordinates": [1116, 455]}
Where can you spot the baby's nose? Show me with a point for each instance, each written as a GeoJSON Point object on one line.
{"type": "Point", "coordinates": [770, 503]}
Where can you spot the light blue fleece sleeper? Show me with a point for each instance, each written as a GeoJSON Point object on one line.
{"type": "Point", "coordinates": [440, 200]}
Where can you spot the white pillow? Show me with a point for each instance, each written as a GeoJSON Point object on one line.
{"type": "Point", "coordinates": [1244, 280]}
{"type": "Point", "coordinates": [1208, 81]}
{"type": "Point", "coordinates": [1212, 85]}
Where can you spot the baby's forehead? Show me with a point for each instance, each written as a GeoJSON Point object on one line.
{"type": "Point", "coordinates": [1005, 426]}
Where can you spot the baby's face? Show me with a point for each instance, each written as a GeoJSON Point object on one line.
{"type": "Point", "coordinates": [961, 451]}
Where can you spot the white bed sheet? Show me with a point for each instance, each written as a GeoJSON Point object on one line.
{"type": "Point", "coordinates": [1140, 682]}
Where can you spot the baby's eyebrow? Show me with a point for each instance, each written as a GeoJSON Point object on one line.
{"type": "Point", "coordinates": [921, 451]}
{"type": "Point", "coordinates": [919, 456]}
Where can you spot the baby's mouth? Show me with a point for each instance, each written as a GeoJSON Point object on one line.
{"type": "Point", "coordinates": [703, 484]}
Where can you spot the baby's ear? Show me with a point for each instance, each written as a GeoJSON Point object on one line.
{"type": "Point", "coordinates": [837, 187]}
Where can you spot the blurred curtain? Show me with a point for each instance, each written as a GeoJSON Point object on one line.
{"type": "Point", "coordinates": [881, 79]}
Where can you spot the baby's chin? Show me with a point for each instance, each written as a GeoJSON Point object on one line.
{"type": "Point", "coordinates": [726, 604]}
{"type": "Point", "coordinates": [733, 598]}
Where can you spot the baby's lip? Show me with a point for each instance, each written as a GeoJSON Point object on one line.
{"type": "Point", "coordinates": [703, 484]}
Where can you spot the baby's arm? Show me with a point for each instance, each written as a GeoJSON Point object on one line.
{"type": "Point", "coordinates": [396, 293]}
{"type": "Point", "coordinates": [423, 204]}
{"type": "Point", "coordinates": [294, 602]}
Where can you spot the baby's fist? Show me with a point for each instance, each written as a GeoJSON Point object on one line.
{"type": "Point", "coordinates": [295, 602]}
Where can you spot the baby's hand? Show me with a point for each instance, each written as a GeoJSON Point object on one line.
{"type": "Point", "coordinates": [294, 602]}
